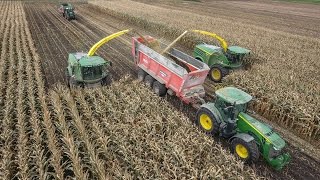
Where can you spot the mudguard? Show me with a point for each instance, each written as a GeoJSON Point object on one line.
{"type": "Point", "coordinates": [243, 136]}
{"type": "Point", "coordinates": [214, 110]}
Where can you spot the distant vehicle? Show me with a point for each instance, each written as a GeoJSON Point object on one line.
{"type": "Point", "coordinates": [67, 11]}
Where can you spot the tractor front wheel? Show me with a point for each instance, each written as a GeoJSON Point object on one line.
{"type": "Point", "coordinates": [159, 89]}
{"type": "Point", "coordinates": [246, 151]}
{"type": "Point", "coordinates": [141, 75]}
{"type": "Point", "coordinates": [207, 121]}
{"type": "Point", "coordinates": [148, 80]}
{"type": "Point", "coordinates": [217, 72]}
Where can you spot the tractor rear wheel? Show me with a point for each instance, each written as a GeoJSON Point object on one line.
{"type": "Point", "coordinates": [141, 75]}
{"type": "Point", "coordinates": [149, 81]}
{"type": "Point", "coordinates": [207, 121]}
{"type": "Point", "coordinates": [217, 72]}
{"type": "Point", "coordinates": [246, 151]}
{"type": "Point", "coordinates": [159, 89]}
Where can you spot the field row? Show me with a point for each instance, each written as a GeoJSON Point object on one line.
{"type": "Point", "coordinates": [22, 94]}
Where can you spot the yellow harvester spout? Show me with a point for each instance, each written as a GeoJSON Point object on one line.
{"type": "Point", "coordinates": [223, 43]}
{"type": "Point", "coordinates": [105, 40]}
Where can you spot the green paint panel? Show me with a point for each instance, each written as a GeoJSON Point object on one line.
{"type": "Point", "coordinates": [265, 130]}
{"type": "Point", "coordinates": [238, 50]}
{"type": "Point", "coordinates": [209, 49]}
{"type": "Point", "coordinates": [233, 95]}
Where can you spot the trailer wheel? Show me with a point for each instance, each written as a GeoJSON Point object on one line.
{"type": "Point", "coordinates": [246, 151]}
{"type": "Point", "coordinates": [141, 75]}
{"type": "Point", "coordinates": [217, 72]}
{"type": "Point", "coordinates": [159, 89]}
{"type": "Point", "coordinates": [207, 122]}
{"type": "Point", "coordinates": [149, 81]}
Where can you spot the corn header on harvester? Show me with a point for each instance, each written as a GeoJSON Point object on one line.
{"type": "Point", "coordinates": [89, 70]}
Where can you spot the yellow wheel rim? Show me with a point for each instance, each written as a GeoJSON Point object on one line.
{"type": "Point", "coordinates": [216, 74]}
{"type": "Point", "coordinates": [206, 122]}
{"type": "Point", "coordinates": [242, 151]}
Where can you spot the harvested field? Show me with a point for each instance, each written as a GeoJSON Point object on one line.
{"type": "Point", "coordinates": [283, 77]}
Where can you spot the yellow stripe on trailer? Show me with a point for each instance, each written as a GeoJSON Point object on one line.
{"type": "Point", "coordinates": [223, 43]}
{"type": "Point", "coordinates": [105, 40]}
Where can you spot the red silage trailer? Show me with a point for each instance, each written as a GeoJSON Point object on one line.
{"type": "Point", "coordinates": [175, 72]}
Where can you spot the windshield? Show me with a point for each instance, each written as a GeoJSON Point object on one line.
{"type": "Point", "coordinates": [236, 57]}
{"type": "Point", "coordinates": [92, 73]}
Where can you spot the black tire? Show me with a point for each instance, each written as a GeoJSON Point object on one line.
{"type": "Point", "coordinates": [106, 81]}
{"type": "Point", "coordinates": [202, 119]}
{"type": "Point", "coordinates": [217, 72]}
{"type": "Point", "coordinates": [251, 148]}
{"type": "Point", "coordinates": [141, 75]}
{"type": "Point", "coordinates": [148, 80]}
{"type": "Point", "coordinates": [159, 89]}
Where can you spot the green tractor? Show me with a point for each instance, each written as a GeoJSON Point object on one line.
{"type": "Point", "coordinates": [67, 11]}
{"type": "Point", "coordinates": [249, 138]}
{"type": "Point", "coordinates": [220, 59]}
{"type": "Point", "coordinates": [87, 71]}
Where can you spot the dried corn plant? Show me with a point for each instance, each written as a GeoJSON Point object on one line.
{"type": "Point", "coordinates": [283, 69]}
{"type": "Point", "coordinates": [131, 133]}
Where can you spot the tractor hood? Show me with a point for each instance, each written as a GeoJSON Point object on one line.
{"type": "Point", "coordinates": [238, 50]}
{"type": "Point", "coordinates": [233, 95]}
{"type": "Point", "coordinates": [209, 49]}
{"type": "Point", "coordinates": [264, 130]}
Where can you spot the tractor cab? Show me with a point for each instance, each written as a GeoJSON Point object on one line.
{"type": "Point", "coordinates": [84, 70]}
{"type": "Point", "coordinates": [232, 98]}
